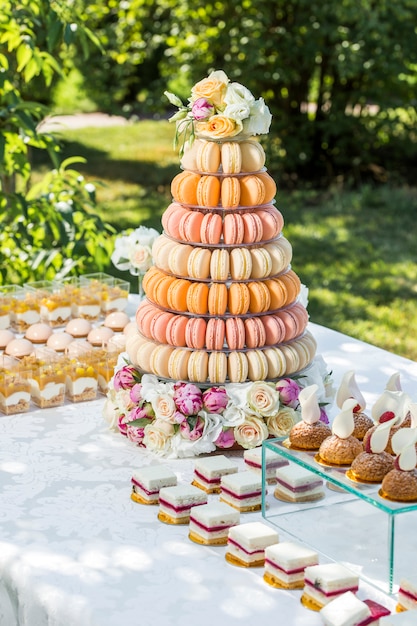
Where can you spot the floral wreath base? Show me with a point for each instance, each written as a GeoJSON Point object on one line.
{"type": "Point", "coordinates": [179, 419]}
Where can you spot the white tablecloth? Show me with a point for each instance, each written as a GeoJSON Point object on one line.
{"type": "Point", "coordinates": [76, 551]}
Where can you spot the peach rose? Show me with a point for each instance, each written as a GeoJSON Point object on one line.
{"type": "Point", "coordinates": [251, 433]}
{"type": "Point", "coordinates": [263, 398]}
{"type": "Point", "coordinates": [157, 435]}
{"type": "Point", "coordinates": [219, 127]}
{"type": "Point", "coordinates": [212, 88]}
{"type": "Point", "coordinates": [164, 407]}
{"type": "Point", "coordinates": [281, 423]}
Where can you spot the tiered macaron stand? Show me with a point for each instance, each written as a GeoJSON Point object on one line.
{"type": "Point", "coordinates": [352, 524]}
{"type": "Point", "coordinates": [224, 295]}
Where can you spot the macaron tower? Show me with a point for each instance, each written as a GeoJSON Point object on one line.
{"type": "Point", "coordinates": [222, 301]}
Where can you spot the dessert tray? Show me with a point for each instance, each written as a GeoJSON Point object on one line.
{"type": "Point", "coordinates": [352, 524]}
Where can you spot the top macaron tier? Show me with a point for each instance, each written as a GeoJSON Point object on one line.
{"type": "Point", "coordinates": [227, 158]}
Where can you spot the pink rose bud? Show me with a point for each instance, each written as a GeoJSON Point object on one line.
{"type": "Point", "coordinates": [215, 400]}
{"type": "Point", "coordinates": [288, 392]}
{"type": "Point", "coordinates": [201, 109]}
{"type": "Point", "coordinates": [226, 439]}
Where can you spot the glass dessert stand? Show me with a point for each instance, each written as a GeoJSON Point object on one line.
{"type": "Point", "coordinates": [351, 524]}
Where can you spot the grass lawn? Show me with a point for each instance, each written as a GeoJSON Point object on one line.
{"type": "Point", "coordinates": [355, 250]}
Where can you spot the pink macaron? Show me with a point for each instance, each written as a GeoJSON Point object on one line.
{"type": "Point", "coordinates": [272, 222]}
{"type": "Point", "coordinates": [190, 226]}
{"type": "Point", "coordinates": [211, 228]}
{"type": "Point", "coordinates": [235, 333]}
{"type": "Point", "coordinates": [175, 331]}
{"type": "Point", "coordinates": [195, 333]}
{"type": "Point", "coordinates": [252, 227]}
{"type": "Point", "coordinates": [215, 334]}
{"type": "Point", "coordinates": [158, 325]}
{"type": "Point", "coordinates": [274, 329]}
{"type": "Point", "coordinates": [172, 217]}
{"type": "Point", "coordinates": [254, 332]}
{"type": "Point", "coordinates": [233, 229]}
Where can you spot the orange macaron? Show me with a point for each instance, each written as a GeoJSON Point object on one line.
{"type": "Point", "coordinates": [184, 187]}
{"type": "Point", "coordinates": [197, 298]}
{"type": "Point", "coordinates": [230, 192]}
{"type": "Point", "coordinates": [260, 298]}
{"type": "Point", "coordinates": [238, 299]}
{"type": "Point", "coordinates": [217, 299]}
{"type": "Point", "coordinates": [208, 191]}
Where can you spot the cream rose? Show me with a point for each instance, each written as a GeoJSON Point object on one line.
{"type": "Point", "coordinates": [281, 423]}
{"type": "Point", "coordinates": [212, 88]}
{"type": "Point", "coordinates": [164, 407]}
{"type": "Point", "coordinates": [263, 399]}
{"type": "Point", "coordinates": [111, 413]}
{"type": "Point", "coordinates": [157, 436]}
{"type": "Point", "coordinates": [251, 433]}
{"type": "Point", "coordinates": [219, 127]}
{"type": "Point", "coordinates": [141, 257]}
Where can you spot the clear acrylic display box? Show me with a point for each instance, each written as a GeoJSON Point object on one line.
{"type": "Point", "coordinates": [352, 524]}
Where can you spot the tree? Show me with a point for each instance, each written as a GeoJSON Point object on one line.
{"type": "Point", "coordinates": [49, 229]}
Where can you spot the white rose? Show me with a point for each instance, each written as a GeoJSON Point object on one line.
{"type": "Point", "coordinates": [111, 413]}
{"type": "Point", "coordinates": [251, 433]}
{"type": "Point", "coordinates": [263, 399]}
{"type": "Point", "coordinates": [260, 118]}
{"type": "Point", "coordinates": [281, 423]}
{"type": "Point", "coordinates": [144, 236]}
{"type": "Point", "coordinates": [157, 436]}
{"type": "Point", "coordinates": [164, 407]}
{"type": "Point", "coordinates": [233, 416]}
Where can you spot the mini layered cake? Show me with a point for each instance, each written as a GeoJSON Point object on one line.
{"type": "Point", "coordinates": [407, 596]}
{"type": "Point", "coordinates": [285, 564]}
{"type": "Point", "coordinates": [273, 461]}
{"type": "Point", "coordinates": [209, 471]}
{"type": "Point", "coordinates": [324, 583]}
{"type": "Point", "coordinates": [148, 481]}
{"type": "Point", "coordinates": [348, 610]}
{"type": "Point", "coordinates": [349, 389]}
{"type": "Point", "coordinates": [210, 523]}
{"type": "Point", "coordinates": [373, 463]}
{"type": "Point", "coordinates": [310, 432]}
{"type": "Point", "coordinates": [246, 544]}
{"type": "Point", "coordinates": [297, 484]}
{"type": "Point", "coordinates": [175, 503]}
{"type": "Point", "coordinates": [242, 491]}
{"type": "Point", "coordinates": [341, 448]}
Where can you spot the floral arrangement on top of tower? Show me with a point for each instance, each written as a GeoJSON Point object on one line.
{"type": "Point", "coordinates": [218, 109]}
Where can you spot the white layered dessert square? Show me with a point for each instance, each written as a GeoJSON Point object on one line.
{"type": "Point", "coordinates": [210, 523]}
{"type": "Point", "coordinates": [208, 472]}
{"type": "Point", "coordinates": [246, 544]}
{"type": "Point", "coordinates": [323, 583]}
{"type": "Point", "coordinates": [348, 610]}
{"type": "Point", "coordinates": [273, 461]}
{"type": "Point", "coordinates": [296, 484]}
{"type": "Point", "coordinates": [175, 503]}
{"type": "Point", "coordinates": [148, 481]}
{"type": "Point", "coordinates": [285, 564]}
{"type": "Point", "coordinates": [407, 595]}
{"type": "Point", "coordinates": [242, 490]}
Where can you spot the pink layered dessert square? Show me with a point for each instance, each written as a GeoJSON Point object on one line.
{"type": "Point", "coordinates": [285, 564]}
{"type": "Point", "coordinates": [323, 583]}
{"type": "Point", "coordinates": [148, 481]}
{"type": "Point", "coordinates": [407, 595]}
{"type": "Point", "coordinates": [246, 544]}
{"type": "Point", "coordinates": [209, 470]}
{"type": "Point", "coordinates": [175, 503]}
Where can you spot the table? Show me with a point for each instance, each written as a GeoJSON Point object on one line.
{"type": "Point", "coordinates": [76, 551]}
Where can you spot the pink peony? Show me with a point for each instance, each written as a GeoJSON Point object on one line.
{"type": "Point", "coordinates": [194, 430]}
{"type": "Point", "coordinates": [188, 398]}
{"type": "Point", "coordinates": [288, 392]}
{"type": "Point", "coordinates": [134, 434]}
{"type": "Point", "coordinates": [121, 423]}
{"type": "Point", "coordinates": [125, 378]}
{"type": "Point", "coordinates": [141, 412]}
{"type": "Point", "coordinates": [226, 439]}
{"type": "Point", "coordinates": [201, 109]}
{"type": "Point", "coordinates": [135, 393]}
{"type": "Point", "coordinates": [215, 400]}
